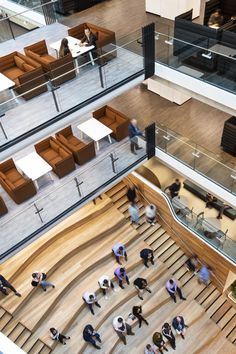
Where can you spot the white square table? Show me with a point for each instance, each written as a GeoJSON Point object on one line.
{"type": "Point", "coordinates": [75, 48]}
{"type": "Point", "coordinates": [6, 83]}
{"type": "Point", "coordinates": [34, 167]}
{"type": "Point", "coordinates": [95, 130]}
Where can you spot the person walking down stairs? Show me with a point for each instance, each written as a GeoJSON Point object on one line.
{"type": "Point", "coordinates": [134, 213]}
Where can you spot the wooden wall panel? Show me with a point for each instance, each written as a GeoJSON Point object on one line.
{"type": "Point", "coordinates": [183, 237]}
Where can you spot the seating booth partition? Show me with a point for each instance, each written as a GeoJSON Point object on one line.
{"type": "Point", "coordinates": [228, 8]}
{"type": "Point", "coordinates": [189, 37]}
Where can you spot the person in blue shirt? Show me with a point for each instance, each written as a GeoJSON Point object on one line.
{"type": "Point", "coordinates": [204, 275]}
{"type": "Point", "coordinates": [120, 252]}
{"type": "Point", "coordinates": [134, 132]}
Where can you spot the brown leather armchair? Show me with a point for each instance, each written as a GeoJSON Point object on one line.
{"type": "Point", "coordinates": [59, 70]}
{"type": "Point", "coordinates": [57, 155]}
{"type": "Point", "coordinates": [3, 207]}
{"type": "Point", "coordinates": [113, 119]}
{"type": "Point", "coordinates": [82, 152]}
{"type": "Point", "coordinates": [18, 187]}
{"type": "Point", "coordinates": [25, 72]}
{"type": "Point", "coordinates": [104, 36]}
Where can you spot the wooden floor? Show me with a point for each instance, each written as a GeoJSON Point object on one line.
{"type": "Point", "coordinates": [195, 120]}
{"type": "Point", "coordinates": [75, 253]}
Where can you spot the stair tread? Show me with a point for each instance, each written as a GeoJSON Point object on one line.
{"type": "Point", "coordinates": [4, 320]}
{"type": "Point", "coordinates": [115, 189]}
{"type": "Point", "coordinates": [164, 247]}
{"type": "Point", "coordinates": [37, 347]}
{"type": "Point", "coordinates": [232, 335]}
{"type": "Point", "coordinates": [221, 311]}
{"type": "Point", "coordinates": [16, 332]}
{"type": "Point", "coordinates": [211, 299]}
{"type": "Point", "coordinates": [173, 258]}
{"type": "Point", "coordinates": [20, 341]}
{"type": "Point", "coordinates": [160, 241]}
{"type": "Point", "coordinates": [216, 305]}
{"type": "Point", "coordinates": [167, 254]}
{"type": "Point", "coordinates": [2, 311]}
{"type": "Point", "coordinates": [205, 293]}
{"type": "Point", "coordinates": [227, 318]}
{"type": "Point", "coordinates": [178, 264]}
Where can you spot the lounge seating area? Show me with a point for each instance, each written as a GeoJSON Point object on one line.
{"type": "Point", "coordinates": [37, 66]}
{"type": "Point", "coordinates": [59, 153]}
{"type": "Point", "coordinates": [81, 152]}
{"type": "Point", "coordinates": [114, 120]}
{"type": "Point", "coordinates": [200, 193]}
{"type": "Point", "coordinates": [26, 73]}
{"type": "Point", "coordinates": [17, 186]}
{"type": "Point", "coordinates": [221, 40]}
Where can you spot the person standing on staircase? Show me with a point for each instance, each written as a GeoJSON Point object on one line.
{"type": "Point", "coordinates": [90, 299]}
{"type": "Point", "coordinates": [120, 252]}
{"type": "Point", "coordinates": [134, 132]}
{"type": "Point", "coordinates": [134, 213]}
{"type": "Point", "coordinates": [122, 328]}
{"type": "Point", "coordinates": [172, 288]}
{"type": "Point", "coordinates": [4, 285]}
{"type": "Point", "coordinates": [151, 214]}
{"type": "Point", "coordinates": [120, 274]}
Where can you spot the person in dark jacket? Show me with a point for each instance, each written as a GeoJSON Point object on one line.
{"type": "Point", "coordinates": [134, 132]}
{"type": "Point", "coordinates": [147, 256]}
{"type": "Point", "coordinates": [131, 194]}
{"type": "Point", "coordinates": [56, 335]}
{"type": "Point", "coordinates": [159, 342]}
{"type": "Point", "coordinates": [89, 38]}
{"type": "Point", "coordinates": [174, 188]}
{"type": "Point", "coordinates": [140, 285]}
{"type": "Point", "coordinates": [90, 336]}
{"type": "Point", "coordinates": [179, 325]}
{"type": "Point", "coordinates": [137, 312]}
{"type": "Point", "coordinates": [4, 285]}
{"type": "Point", "coordinates": [168, 334]}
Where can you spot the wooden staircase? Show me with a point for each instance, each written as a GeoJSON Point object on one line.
{"type": "Point", "coordinates": [19, 334]}
{"type": "Point", "coordinates": [216, 305]}
{"type": "Point", "coordinates": [76, 254]}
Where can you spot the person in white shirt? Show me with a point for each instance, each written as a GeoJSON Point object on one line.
{"type": "Point", "coordinates": [119, 251]}
{"type": "Point", "coordinates": [121, 327]}
{"type": "Point", "coordinates": [150, 349]}
{"type": "Point", "coordinates": [151, 212]}
{"type": "Point", "coordinates": [90, 299]}
{"type": "Point", "coordinates": [105, 284]}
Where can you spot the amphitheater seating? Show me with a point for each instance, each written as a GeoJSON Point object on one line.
{"type": "Point", "coordinates": [76, 253]}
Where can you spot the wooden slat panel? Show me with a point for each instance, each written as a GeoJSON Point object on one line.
{"type": "Point", "coordinates": [160, 241]}
{"type": "Point", "coordinates": [167, 254]}
{"type": "Point", "coordinates": [164, 247]}
{"type": "Point", "coordinates": [210, 299]}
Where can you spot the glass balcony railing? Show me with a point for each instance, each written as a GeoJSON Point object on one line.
{"type": "Point", "coordinates": [205, 227]}
{"type": "Point", "coordinates": [55, 198]}
{"type": "Point", "coordinates": [210, 60]}
{"type": "Point", "coordinates": [196, 157]}
{"type": "Point", "coordinates": [66, 88]}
